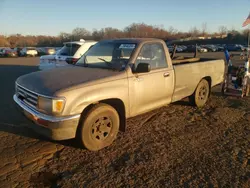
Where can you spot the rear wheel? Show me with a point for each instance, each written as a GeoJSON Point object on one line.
{"type": "Point", "coordinates": [99, 128]}
{"type": "Point", "coordinates": [224, 87]}
{"type": "Point", "coordinates": [201, 94]}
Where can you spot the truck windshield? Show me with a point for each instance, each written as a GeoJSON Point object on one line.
{"type": "Point", "coordinates": [107, 55]}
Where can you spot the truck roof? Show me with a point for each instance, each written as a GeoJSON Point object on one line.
{"type": "Point", "coordinates": [132, 40]}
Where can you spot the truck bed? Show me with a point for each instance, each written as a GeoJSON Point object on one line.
{"type": "Point", "coordinates": [189, 72]}
{"type": "Point", "coordinates": [185, 60]}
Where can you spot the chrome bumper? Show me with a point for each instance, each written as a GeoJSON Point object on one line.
{"type": "Point", "coordinates": [56, 128]}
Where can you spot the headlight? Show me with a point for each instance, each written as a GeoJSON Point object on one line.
{"type": "Point", "coordinates": [51, 105]}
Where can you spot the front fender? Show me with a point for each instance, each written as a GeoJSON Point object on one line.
{"type": "Point", "coordinates": [88, 95]}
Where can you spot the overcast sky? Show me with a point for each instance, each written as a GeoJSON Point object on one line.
{"type": "Point", "coordinates": [50, 17]}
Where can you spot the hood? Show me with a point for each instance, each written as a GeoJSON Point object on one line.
{"type": "Point", "coordinates": [48, 82]}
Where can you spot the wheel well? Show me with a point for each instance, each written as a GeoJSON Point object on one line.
{"type": "Point", "coordinates": [120, 108]}
{"type": "Point", "coordinates": [117, 104]}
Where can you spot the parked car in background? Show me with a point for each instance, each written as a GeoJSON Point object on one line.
{"type": "Point", "coordinates": [72, 51]}
{"type": "Point", "coordinates": [28, 51]}
{"type": "Point", "coordinates": [8, 52]}
{"type": "Point", "coordinates": [191, 48]}
{"type": "Point", "coordinates": [48, 61]}
{"type": "Point", "coordinates": [40, 51]}
{"type": "Point", "coordinates": [178, 49]}
{"type": "Point", "coordinates": [18, 50]}
{"type": "Point", "coordinates": [220, 47]}
{"type": "Point", "coordinates": [214, 47]}
{"type": "Point", "coordinates": [1, 52]}
{"type": "Point", "coordinates": [244, 47]}
{"type": "Point", "coordinates": [183, 48]}
{"type": "Point", "coordinates": [201, 49]}
{"type": "Point", "coordinates": [68, 54]}
{"type": "Point", "coordinates": [58, 48]}
{"type": "Point", "coordinates": [233, 47]}
{"type": "Point", "coordinates": [210, 48]}
{"type": "Point", "coordinates": [46, 51]}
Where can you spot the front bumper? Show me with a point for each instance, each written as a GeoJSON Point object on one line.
{"type": "Point", "coordinates": [55, 128]}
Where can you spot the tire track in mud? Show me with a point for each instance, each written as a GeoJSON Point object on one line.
{"type": "Point", "coordinates": [173, 146]}
{"type": "Point", "coordinates": [205, 151]}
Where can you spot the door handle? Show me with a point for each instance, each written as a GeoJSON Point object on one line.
{"type": "Point", "coordinates": [166, 74]}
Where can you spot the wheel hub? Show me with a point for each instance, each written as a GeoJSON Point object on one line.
{"type": "Point", "coordinates": [101, 128]}
{"type": "Point", "coordinates": [203, 93]}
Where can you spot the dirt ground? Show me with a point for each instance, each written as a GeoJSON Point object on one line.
{"type": "Point", "coordinates": [174, 146]}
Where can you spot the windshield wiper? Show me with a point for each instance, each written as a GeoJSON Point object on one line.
{"type": "Point", "coordinates": [107, 62]}
{"type": "Point", "coordinates": [104, 60]}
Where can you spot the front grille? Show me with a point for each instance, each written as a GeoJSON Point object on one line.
{"type": "Point", "coordinates": [28, 97]}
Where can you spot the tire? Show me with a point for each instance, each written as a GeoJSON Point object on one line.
{"type": "Point", "coordinates": [201, 94]}
{"type": "Point", "coordinates": [99, 128]}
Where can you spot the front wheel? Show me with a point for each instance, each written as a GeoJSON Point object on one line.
{"type": "Point", "coordinates": [201, 94]}
{"type": "Point", "coordinates": [99, 128]}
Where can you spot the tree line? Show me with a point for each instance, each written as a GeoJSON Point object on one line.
{"type": "Point", "coordinates": [132, 31]}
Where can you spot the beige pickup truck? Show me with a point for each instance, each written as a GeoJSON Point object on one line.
{"type": "Point", "coordinates": [113, 81]}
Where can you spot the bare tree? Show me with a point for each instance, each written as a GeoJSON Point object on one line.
{"type": "Point", "coordinates": [80, 33]}
{"type": "Point", "coordinates": [64, 35]}
{"type": "Point", "coordinates": [133, 30]}
{"type": "Point", "coordinates": [194, 32]}
{"type": "Point", "coordinates": [204, 29]}
{"type": "Point", "coordinates": [98, 34]}
{"type": "Point", "coordinates": [172, 30]}
{"type": "Point", "coordinates": [110, 32]}
{"type": "Point", "coordinates": [222, 30]}
{"type": "Point", "coordinates": [246, 32]}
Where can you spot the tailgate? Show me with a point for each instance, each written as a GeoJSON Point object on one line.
{"type": "Point", "coordinates": [61, 60]}
{"type": "Point", "coordinates": [47, 64]}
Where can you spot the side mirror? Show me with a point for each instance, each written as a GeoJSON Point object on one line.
{"type": "Point", "coordinates": [142, 68]}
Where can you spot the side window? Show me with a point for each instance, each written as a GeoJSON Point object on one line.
{"type": "Point", "coordinates": [152, 54]}
{"type": "Point", "coordinates": [86, 49]}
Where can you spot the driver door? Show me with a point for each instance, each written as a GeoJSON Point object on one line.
{"type": "Point", "coordinates": [152, 89]}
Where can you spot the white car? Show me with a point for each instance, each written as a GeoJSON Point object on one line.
{"type": "Point", "coordinates": [202, 50]}
{"type": "Point", "coordinates": [28, 51]}
{"type": "Point", "coordinates": [68, 54]}
{"type": "Point", "coordinates": [178, 49]}
{"type": "Point", "coordinates": [47, 61]}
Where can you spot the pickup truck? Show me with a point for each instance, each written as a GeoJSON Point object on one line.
{"type": "Point", "coordinates": [115, 80]}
